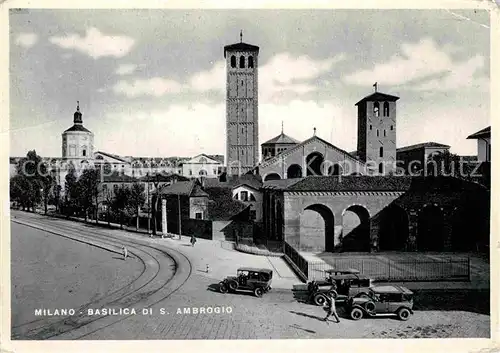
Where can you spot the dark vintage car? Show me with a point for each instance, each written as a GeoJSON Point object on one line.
{"type": "Point", "coordinates": [256, 280]}
{"type": "Point", "coordinates": [343, 284]}
{"type": "Point", "coordinates": [382, 300]}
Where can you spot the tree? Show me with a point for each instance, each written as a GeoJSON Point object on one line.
{"type": "Point", "coordinates": [449, 164]}
{"type": "Point", "coordinates": [136, 201]}
{"type": "Point", "coordinates": [120, 202]}
{"type": "Point", "coordinates": [71, 192]}
{"type": "Point", "coordinates": [27, 187]}
{"type": "Point", "coordinates": [88, 189]}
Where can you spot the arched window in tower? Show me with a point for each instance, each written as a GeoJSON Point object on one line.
{"type": "Point", "coordinates": [242, 62]}
{"type": "Point", "coordinates": [381, 151]}
{"type": "Point", "coordinates": [250, 61]}
{"type": "Point", "coordinates": [386, 109]}
{"type": "Point", "coordinates": [381, 168]}
{"type": "Point", "coordinates": [233, 61]}
{"type": "Point", "coordinates": [84, 151]}
{"type": "Point", "coordinates": [376, 109]}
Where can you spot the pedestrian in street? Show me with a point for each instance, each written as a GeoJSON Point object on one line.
{"type": "Point", "coordinates": [330, 307]}
{"type": "Point", "coordinates": [125, 253]}
{"type": "Point", "coordinates": [193, 240]}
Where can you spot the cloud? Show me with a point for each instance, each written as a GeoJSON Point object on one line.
{"type": "Point", "coordinates": [95, 44]}
{"type": "Point", "coordinates": [125, 69]}
{"type": "Point", "coordinates": [156, 86]}
{"type": "Point", "coordinates": [422, 63]}
{"type": "Point", "coordinates": [213, 79]}
{"type": "Point", "coordinates": [26, 40]}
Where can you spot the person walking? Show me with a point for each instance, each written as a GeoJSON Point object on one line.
{"type": "Point", "coordinates": [330, 307]}
{"type": "Point", "coordinates": [193, 240]}
{"type": "Point", "coordinates": [125, 253]}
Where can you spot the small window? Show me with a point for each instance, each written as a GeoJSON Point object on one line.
{"type": "Point", "coordinates": [242, 130]}
{"type": "Point", "coordinates": [370, 128]}
{"type": "Point", "coordinates": [376, 109]}
{"type": "Point", "coordinates": [244, 196]}
{"type": "Point", "coordinates": [233, 61]}
{"type": "Point", "coordinates": [392, 127]}
{"type": "Point", "coordinates": [381, 168]}
{"type": "Point", "coordinates": [252, 198]}
{"type": "Point", "coordinates": [385, 134]}
{"type": "Point", "coordinates": [242, 62]}
{"type": "Point", "coordinates": [84, 153]}
{"type": "Point", "coordinates": [377, 133]}
{"type": "Point", "coordinates": [199, 215]}
{"type": "Point", "coordinates": [250, 61]}
{"type": "Point", "coordinates": [381, 151]}
{"type": "Point", "coordinates": [386, 109]}
{"type": "Point", "coordinates": [115, 187]}
{"type": "Point", "coordinates": [190, 172]}
{"type": "Point", "coordinates": [242, 152]}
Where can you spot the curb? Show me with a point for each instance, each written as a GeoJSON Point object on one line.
{"type": "Point", "coordinates": [88, 242]}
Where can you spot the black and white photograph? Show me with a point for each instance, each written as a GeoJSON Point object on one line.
{"type": "Point", "coordinates": [249, 174]}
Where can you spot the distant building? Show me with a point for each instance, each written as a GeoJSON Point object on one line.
{"type": "Point", "coordinates": [483, 138]}
{"type": "Point", "coordinates": [412, 159]}
{"type": "Point", "coordinates": [277, 145]}
{"type": "Point", "coordinates": [202, 165]}
{"type": "Point", "coordinates": [77, 141]}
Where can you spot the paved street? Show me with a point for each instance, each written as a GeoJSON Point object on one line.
{"type": "Point", "coordinates": [279, 314]}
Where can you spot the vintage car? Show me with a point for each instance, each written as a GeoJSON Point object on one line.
{"type": "Point", "coordinates": [343, 284]}
{"type": "Point", "coordinates": [382, 300]}
{"type": "Point", "coordinates": [256, 280]}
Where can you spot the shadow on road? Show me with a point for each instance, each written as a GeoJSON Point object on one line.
{"type": "Point", "coordinates": [214, 287]}
{"type": "Point", "coordinates": [301, 328]}
{"type": "Point", "coordinates": [308, 315]}
{"type": "Point", "coordinates": [472, 300]}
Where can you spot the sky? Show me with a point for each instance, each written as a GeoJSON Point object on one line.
{"type": "Point", "coordinates": [152, 82]}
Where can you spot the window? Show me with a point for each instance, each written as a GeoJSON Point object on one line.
{"type": "Point", "coordinates": [381, 151]}
{"type": "Point", "coordinates": [242, 85]}
{"type": "Point", "coordinates": [198, 215]}
{"type": "Point", "coordinates": [244, 196]}
{"type": "Point", "coordinates": [250, 61]}
{"type": "Point", "coordinates": [242, 62]}
{"type": "Point", "coordinates": [370, 128]}
{"type": "Point", "coordinates": [115, 187]}
{"type": "Point", "coordinates": [84, 153]}
{"type": "Point", "coordinates": [242, 130]}
{"type": "Point", "coordinates": [392, 127]}
{"type": "Point", "coordinates": [386, 109]}
{"type": "Point", "coordinates": [242, 152]}
{"type": "Point", "coordinates": [203, 172]}
{"type": "Point", "coordinates": [252, 198]}
{"type": "Point", "coordinates": [381, 168]}
{"type": "Point", "coordinates": [235, 196]}
{"type": "Point", "coordinates": [253, 214]}
{"type": "Point", "coordinates": [190, 172]}
{"type": "Point", "coordinates": [385, 134]}
{"type": "Point", "coordinates": [376, 109]}
{"type": "Point", "coordinates": [377, 133]}
{"type": "Point", "coordinates": [233, 61]}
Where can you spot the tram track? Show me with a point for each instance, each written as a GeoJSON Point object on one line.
{"type": "Point", "coordinates": [146, 289]}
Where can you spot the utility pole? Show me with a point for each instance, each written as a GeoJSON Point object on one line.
{"type": "Point", "coordinates": [179, 209]}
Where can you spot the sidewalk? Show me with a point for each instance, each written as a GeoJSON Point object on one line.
{"type": "Point", "coordinates": [218, 258]}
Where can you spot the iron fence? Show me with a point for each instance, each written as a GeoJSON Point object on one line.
{"type": "Point", "coordinates": [380, 268]}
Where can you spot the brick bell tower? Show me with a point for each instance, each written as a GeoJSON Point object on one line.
{"type": "Point", "coordinates": [377, 132]}
{"type": "Point", "coordinates": [242, 115]}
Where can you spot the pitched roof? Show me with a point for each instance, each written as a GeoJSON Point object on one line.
{"type": "Point", "coordinates": [77, 127]}
{"type": "Point", "coordinates": [116, 177]}
{"type": "Point", "coordinates": [197, 191]}
{"type": "Point", "coordinates": [378, 96]}
{"type": "Point", "coordinates": [222, 206]}
{"type": "Point", "coordinates": [280, 184]}
{"type": "Point", "coordinates": [383, 183]}
{"type": "Point", "coordinates": [486, 132]}
{"type": "Point", "coordinates": [217, 157]}
{"type": "Point", "coordinates": [421, 145]}
{"type": "Point", "coordinates": [162, 178]}
{"type": "Point", "coordinates": [281, 139]}
{"type": "Point", "coordinates": [294, 148]}
{"type": "Point", "coordinates": [240, 47]}
{"type": "Point", "coordinates": [179, 188]}
{"type": "Point", "coordinates": [111, 156]}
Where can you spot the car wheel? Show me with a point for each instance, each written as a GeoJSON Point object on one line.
{"type": "Point", "coordinates": [319, 299]}
{"type": "Point", "coordinates": [334, 294]}
{"type": "Point", "coordinates": [370, 307]}
{"type": "Point", "coordinates": [403, 314]}
{"type": "Point", "coordinates": [223, 288]}
{"type": "Point", "coordinates": [258, 292]}
{"type": "Point", "coordinates": [356, 314]}
{"type": "Point", "coordinates": [232, 286]}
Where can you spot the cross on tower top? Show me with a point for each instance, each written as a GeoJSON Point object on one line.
{"type": "Point", "coordinates": [241, 36]}
{"type": "Point", "coordinates": [77, 106]}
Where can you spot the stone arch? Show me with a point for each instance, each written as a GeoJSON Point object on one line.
{"type": "Point", "coordinates": [430, 233]}
{"type": "Point", "coordinates": [335, 169]}
{"type": "Point", "coordinates": [202, 172]}
{"type": "Point", "coordinates": [317, 228]}
{"type": "Point", "coordinates": [294, 171]}
{"type": "Point", "coordinates": [272, 176]}
{"type": "Point", "coordinates": [356, 228]}
{"type": "Point", "coordinates": [394, 228]}
{"type": "Point", "coordinates": [314, 163]}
